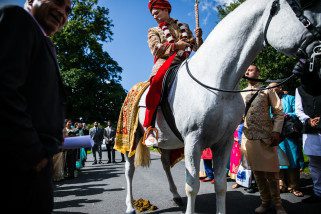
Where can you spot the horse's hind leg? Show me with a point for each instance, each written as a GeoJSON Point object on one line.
{"type": "Point", "coordinates": [192, 153]}
{"type": "Point", "coordinates": [220, 158]}
{"type": "Point", "coordinates": [129, 174]}
{"type": "Point", "coordinates": [165, 157]}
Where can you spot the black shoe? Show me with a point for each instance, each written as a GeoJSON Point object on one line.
{"type": "Point", "coordinates": [95, 162]}
{"type": "Point", "coordinates": [108, 162]}
{"type": "Point", "coordinates": [114, 161]}
{"type": "Point", "coordinates": [123, 161]}
{"type": "Point", "coordinates": [250, 190]}
{"type": "Point", "coordinates": [100, 162]}
{"type": "Point", "coordinates": [312, 199]}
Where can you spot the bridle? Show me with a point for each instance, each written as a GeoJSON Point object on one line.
{"type": "Point", "coordinates": [303, 57]}
{"type": "Point", "coordinates": [313, 37]}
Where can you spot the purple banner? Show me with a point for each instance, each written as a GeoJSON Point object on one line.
{"type": "Point", "coordinates": [78, 142]}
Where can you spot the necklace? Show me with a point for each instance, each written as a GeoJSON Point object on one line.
{"type": "Point", "coordinates": [164, 26]}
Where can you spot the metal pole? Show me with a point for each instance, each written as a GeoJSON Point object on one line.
{"type": "Point", "coordinates": [196, 14]}
{"type": "Point", "coordinates": [198, 39]}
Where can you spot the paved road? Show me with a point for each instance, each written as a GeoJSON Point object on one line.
{"type": "Point", "coordinates": [101, 189]}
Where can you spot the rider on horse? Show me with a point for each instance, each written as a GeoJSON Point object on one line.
{"type": "Point", "coordinates": [171, 42]}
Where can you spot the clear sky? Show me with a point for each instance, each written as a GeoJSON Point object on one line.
{"type": "Point", "coordinates": [132, 19]}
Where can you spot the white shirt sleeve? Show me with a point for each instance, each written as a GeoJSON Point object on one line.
{"type": "Point", "coordinates": [298, 107]}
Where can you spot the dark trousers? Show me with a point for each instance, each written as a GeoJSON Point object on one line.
{"type": "Point", "coordinates": [96, 148]}
{"type": "Point", "coordinates": [71, 159]}
{"type": "Point", "coordinates": [315, 169]}
{"type": "Point", "coordinates": [110, 152]}
{"type": "Point", "coordinates": [28, 191]}
{"type": "Point", "coordinates": [208, 168]}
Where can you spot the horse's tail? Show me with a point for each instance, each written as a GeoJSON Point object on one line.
{"type": "Point", "coordinates": [142, 155]}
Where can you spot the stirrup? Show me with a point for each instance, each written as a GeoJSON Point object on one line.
{"type": "Point", "coordinates": [146, 134]}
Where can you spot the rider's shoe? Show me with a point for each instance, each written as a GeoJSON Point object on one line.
{"type": "Point", "coordinates": [151, 137]}
{"type": "Point", "coordinates": [151, 141]}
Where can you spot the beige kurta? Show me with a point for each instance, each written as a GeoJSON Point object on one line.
{"type": "Point", "coordinates": [258, 127]}
{"type": "Point", "coordinates": [158, 47]}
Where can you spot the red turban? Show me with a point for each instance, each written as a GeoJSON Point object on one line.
{"type": "Point", "coordinates": [159, 4]}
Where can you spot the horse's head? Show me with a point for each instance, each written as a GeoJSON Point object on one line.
{"type": "Point", "coordinates": [294, 28]}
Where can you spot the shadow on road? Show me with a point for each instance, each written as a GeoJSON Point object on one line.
{"type": "Point", "coordinates": [73, 203]}
{"type": "Point", "coordinates": [89, 183]}
{"type": "Point", "coordinates": [239, 203]}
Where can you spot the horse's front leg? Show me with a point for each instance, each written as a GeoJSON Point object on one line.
{"type": "Point", "coordinates": [220, 158]}
{"type": "Point", "coordinates": [192, 153]}
{"type": "Point", "coordinates": [165, 157]}
{"type": "Point", "coordinates": [129, 174]}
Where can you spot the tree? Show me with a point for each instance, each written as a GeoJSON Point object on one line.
{"type": "Point", "coordinates": [272, 64]}
{"type": "Point", "coordinates": [91, 76]}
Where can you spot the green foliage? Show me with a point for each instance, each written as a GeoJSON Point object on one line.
{"type": "Point", "coordinates": [223, 10]}
{"type": "Point", "coordinates": [272, 64]}
{"type": "Point", "coordinates": [91, 76]}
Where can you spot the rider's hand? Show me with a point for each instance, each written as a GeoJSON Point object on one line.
{"type": "Point", "coordinates": [181, 45]}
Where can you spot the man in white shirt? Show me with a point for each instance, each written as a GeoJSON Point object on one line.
{"type": "Point", "coordinates": [308, 109]}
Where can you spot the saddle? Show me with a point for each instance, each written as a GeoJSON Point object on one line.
{"type": "Point", "coordinates": [169, 78]}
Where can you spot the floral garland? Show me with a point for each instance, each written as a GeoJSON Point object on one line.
{"type": "Point", "coordinates": [183, 29]}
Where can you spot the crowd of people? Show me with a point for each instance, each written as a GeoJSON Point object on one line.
{"type": "Point", "coordinates": [67, 164]}
{"type": "Point", "coordinates": [276, 160]}
{"type": "Point", "coordinates": [99, 134]}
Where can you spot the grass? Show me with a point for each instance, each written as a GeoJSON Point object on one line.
{"type": "Point", "coordinates": [306, 169]}
{"type": "Point", "coordinates": [152, 149]}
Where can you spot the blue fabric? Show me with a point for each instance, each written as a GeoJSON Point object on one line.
{"type": "Point", "coordinates": [83, 156]}
{"type": "Point", "coordinates": [315, 170]}
{"type": "Point", "coordinates": [208, 169]}
{"type": "Point", "coordinates": [292, 151]}
{"type": "Point", "coordinates": [312, 144]}
{"type": "Point", "coordinates": [290, 146]}
{"type": "Point", "coordinates": [288, 104]}
{"type": "Point", "coordinates": [239, 132]}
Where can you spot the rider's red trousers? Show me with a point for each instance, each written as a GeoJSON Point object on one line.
{"type": "Point", "coordinates": [154, 94]}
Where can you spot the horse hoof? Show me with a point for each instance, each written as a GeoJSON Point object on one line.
{"type": "Point", "coordinates": [178, 201]}
{"type": "Point", "coordinates": [131, 212]}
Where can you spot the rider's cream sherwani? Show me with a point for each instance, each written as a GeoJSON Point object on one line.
{"type": "Point", "coordinates": [159, 47]}
{"type": "Point", "coordinates": [258, 126]}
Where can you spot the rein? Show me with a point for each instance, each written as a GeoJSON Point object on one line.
{"type": "Point", "coordinates": [281, 82]}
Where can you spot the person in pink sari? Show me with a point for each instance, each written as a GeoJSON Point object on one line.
{"type": "Point", "coordinates": [236, 155]}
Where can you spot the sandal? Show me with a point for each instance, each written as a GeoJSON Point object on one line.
{"type": "Point", "coordinates": [207, 179]}
{"type": "Point", "coordinates": [297, 193]}
{"type": "Point", "coordinates": [283, 189]}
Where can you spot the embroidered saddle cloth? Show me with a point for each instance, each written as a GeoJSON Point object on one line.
{"type": "Point", "coordinates": [128, 120]}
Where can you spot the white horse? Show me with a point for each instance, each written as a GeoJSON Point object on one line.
{"type": "Point", "coordinates": [207, 118]}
